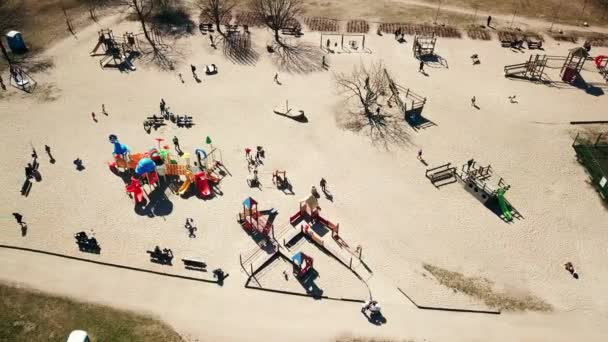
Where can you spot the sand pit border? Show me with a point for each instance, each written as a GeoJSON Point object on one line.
{"type": "Point", "coordinates": [131, 268]}
{"type": "Point", "coordinates": [279, 254]}
{"type": "Point", "coordinates": [437, 308]}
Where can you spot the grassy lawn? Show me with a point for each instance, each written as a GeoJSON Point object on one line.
{"type": "Point", "coordinates": [26, 315]}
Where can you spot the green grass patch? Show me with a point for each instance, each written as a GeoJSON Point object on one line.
{"type": "Point", "coordinates": [27, 315]}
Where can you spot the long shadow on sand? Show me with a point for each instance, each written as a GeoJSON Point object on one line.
{"type": "Point", "coordinates": [298, 58]}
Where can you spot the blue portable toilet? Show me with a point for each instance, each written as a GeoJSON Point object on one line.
{"type": "Point", "coordinates": [15, 41]}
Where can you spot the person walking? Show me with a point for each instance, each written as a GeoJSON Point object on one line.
{"type": "Point", "coordinates": [323, 184]}
{"type": "Point", "coordinates": [29, 170]}
{"type": "Point", "coordinates": [420, 154]}
{"type": "Point", "coordinates": [258, 156]}
{"type": "Point", "coordinates": [19, 218]}
{"type": "Point", "coordinates": [211, 39]}
{"type": "Point", "coordinates": [323, 64]}
{"type": "Point", "coordinates": [93, 116]}
{"type": "Point", "coordinates": [314, 191]}
{"type": "Point", "coordinates": [276, 78]}
{"type": "Point", "coordinates": [489, 21]}
{"type": "Point", "coordinates": [176, 143]}
{"type": "Point", "coordinates": [22, 223]}
{"type": "Point", "coordinates": [474, 102]}
{"type": "Point", "coordinates": [103, 109]}
{"type": "Point", "coordinates": [193, 68]}
{"type": "Point", "coordinates": [421, 67]}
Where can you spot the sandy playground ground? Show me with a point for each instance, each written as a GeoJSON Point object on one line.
{"type": "Point", "coordinates": [382, 199]}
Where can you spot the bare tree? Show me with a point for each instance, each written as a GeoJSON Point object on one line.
{"type": "Point", "coordinates": [365, 84]}
{"type": "Point", "coordinates": [215, 11]}
{"type": "Point", "coordinates": [143, 9]}
{"type": "Point", "coordinates": [366, 90]}
{"type": "Point", "coordinates": [277, 14]}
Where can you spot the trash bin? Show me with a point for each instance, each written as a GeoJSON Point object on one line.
{"type": "Point", "coordinates": [15, 42]}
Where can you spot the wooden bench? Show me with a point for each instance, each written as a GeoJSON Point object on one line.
{"type": "Point", "coordinates": [194, 264]}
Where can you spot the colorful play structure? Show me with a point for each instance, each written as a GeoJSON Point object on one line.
{"type": "Point", "coordinates": [253, 221]}
{"type": "Point", "coordinates": [534, 68]}
{"type": "Point", "coordinates": [136, 189]}
{"type": "Point", "coordinates": [148, 166]}
{"type": "Point", "coordinates": [302, 263]}
{"type": "Point", "coordinates": [573, 65]}
{"type": "Point", "coordinates": [119, 51]}
{"type": "Point", "coordinates": [475, 179]}
{"type": "Point", "coordinates": [310, 212]}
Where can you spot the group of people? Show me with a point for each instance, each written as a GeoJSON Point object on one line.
{"type": "Point", "coordinates": [163, 107]}
{"type": "Point", "coordinates": [191, 228]}
{"type": "Point", "coordinates": [323, 184]}
{"type": "Point", "coordinates": [399, 35]}
{"type": "Point", "coordinates": [254, 161]}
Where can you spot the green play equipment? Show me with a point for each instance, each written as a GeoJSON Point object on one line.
{"type": "Point", "coordinates": [502, 202]}
{"type": "Point", "coordinates": [478, 181]}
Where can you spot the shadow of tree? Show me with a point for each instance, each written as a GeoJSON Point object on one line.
{"type": "Point", "coordinates": [237, 47]}
{"type": "Point", "coordinates": [384, 130]}
{"type": "Point", "coordinates": [298, 58]}
{"type": "Point", "coordinates": [163, 56]}
{"type": "Point", "coordinates": [158, 203]}
{"type": "Point", "coordinates": [300, 117]}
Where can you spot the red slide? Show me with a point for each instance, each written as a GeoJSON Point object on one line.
{"type": "Point", "coordinates": [599, 59]}
{"type": "Point", "coordinates": [135, 188]}
{"type": "Point", "coordinates": [202, 184]}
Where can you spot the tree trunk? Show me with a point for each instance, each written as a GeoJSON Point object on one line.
{"type": "Point", "coordinates": [218, 24]}
{"type": "Point", "coordinates": [142, 20]}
